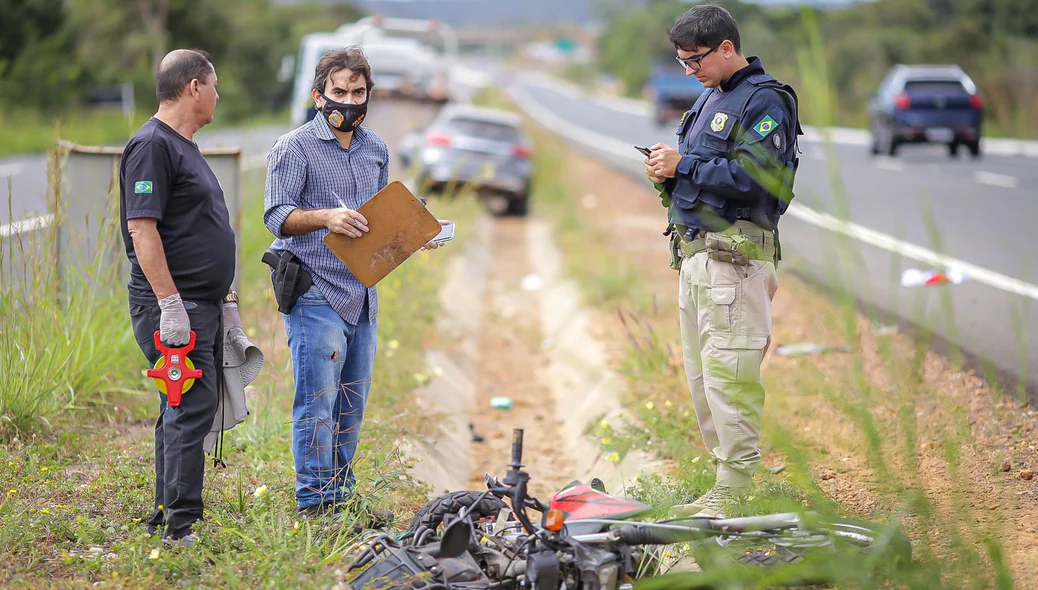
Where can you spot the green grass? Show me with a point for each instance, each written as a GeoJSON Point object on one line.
{"type": "Point", "coordinates": [65, 343]}
{"type": "Point", "coordinates": [29, 132]}
{"type": "Point", "coordinates": [74, 493]}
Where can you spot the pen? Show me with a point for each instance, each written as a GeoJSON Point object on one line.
{"type": "Point", "coordinates": [339, 199]}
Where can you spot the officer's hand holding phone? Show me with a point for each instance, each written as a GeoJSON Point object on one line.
{"type": "Point", "coordinates": [664, 161]}
{"type": "Point", "coordinates": [649, 172]}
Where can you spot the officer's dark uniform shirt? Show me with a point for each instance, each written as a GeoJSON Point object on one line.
{"type": "Point", "coordinates": [726, 140]}
{"type": "Point", "coordinates": [164, 176]}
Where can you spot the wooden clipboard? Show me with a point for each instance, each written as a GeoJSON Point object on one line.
{"type": "Point", "coordinates": [398, 224]}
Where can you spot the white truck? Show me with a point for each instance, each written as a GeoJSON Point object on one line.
{"type": "Point", "coordinates": [409, 57]}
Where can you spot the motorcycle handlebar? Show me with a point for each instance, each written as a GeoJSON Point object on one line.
{"type": "Point", "coordinates": [634, 534]}
{"type": "Point", "coordinates": [517, 448]}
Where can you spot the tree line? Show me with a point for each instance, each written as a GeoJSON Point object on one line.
{"type": "Point", "coordinates": [54, 53]}
{"type": "Point", "coordinates": [994, 41]}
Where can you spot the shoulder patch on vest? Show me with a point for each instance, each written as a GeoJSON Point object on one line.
{"type": "Point", "coordinates": [765, 126]}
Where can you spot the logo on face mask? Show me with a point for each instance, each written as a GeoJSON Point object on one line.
{"type": "Point", "coordinates": [343, 116]}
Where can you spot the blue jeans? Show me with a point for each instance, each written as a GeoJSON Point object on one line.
{"type": "Point", "coordinates": [332, 364]}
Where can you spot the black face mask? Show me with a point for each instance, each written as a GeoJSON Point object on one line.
{"type": "Point", "coordinates": [343, 116]}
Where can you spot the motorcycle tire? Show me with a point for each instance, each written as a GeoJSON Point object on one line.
{"type": "Point", "coordinates": [826, 556]}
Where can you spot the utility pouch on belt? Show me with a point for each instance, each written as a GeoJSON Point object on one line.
{"type": "Point", "coordinates": [675, 250]}
{"type": "Point", "coordinates": [289, 278]}
{"type": "Point", "coordinates": [736, 249]}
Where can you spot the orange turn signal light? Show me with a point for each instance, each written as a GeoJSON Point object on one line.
{"type": "Point", "coordinates": [553, 520]}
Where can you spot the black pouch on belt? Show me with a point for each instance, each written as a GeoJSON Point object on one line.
{"type": "Point", "coordinates": [290, 279]}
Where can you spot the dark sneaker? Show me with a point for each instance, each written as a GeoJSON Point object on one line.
{"type": "Point", "coordinates": [371, 518]}
{"type": "Point", "coordinates": [316, 510]}
{"type": "Point", "coordinates": [185, 541]}
{"type": "Point", "coordinates": [355, 510]}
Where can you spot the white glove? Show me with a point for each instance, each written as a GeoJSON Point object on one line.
{"type": "Point", "coordinates": [174, 325]}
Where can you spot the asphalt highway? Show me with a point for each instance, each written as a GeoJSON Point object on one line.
{"type": "Point", "coordinates": [857, 221]}
{"type": "Point", "coordinates": [919, 209]}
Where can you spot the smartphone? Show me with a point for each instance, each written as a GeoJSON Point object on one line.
{"type": "Point", "coordinates": [643, 150]}
{"type": "Point", "coordinates": [446, 234]}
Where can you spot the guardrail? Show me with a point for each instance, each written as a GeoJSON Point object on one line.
{"type": "Point", "coordinates": [83, 228]}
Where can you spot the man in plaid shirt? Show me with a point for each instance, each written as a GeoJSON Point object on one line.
{"type": "Point", "coordinates": [318, 175]}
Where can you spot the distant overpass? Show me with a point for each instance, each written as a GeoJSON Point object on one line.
{"type": "Point", "coordinates": [503, 37]}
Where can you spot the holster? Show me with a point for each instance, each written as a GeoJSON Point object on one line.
{"type": "Point", "coordinates": [289, 277]}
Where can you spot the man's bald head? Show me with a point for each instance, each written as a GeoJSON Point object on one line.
{"type": "Point", "coordinates": [177, 69]}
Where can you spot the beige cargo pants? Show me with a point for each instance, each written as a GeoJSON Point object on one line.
{"type": "Point", "coordinates": [725, 312]}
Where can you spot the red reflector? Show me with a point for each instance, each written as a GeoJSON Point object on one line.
{"type": "Point", "coordinates": [975, 102]}
{"type": "Point", "coordinates": [902, 102]}
{"type": "Point", "coordinates": [438, 139]}
{"type": "Point", "coordinates": [521, 151]}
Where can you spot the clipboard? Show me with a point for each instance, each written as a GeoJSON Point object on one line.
{"type": "Point", "coordinates": [398, 225]}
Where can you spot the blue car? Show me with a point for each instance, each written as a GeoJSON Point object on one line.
{"type": "Point", "coordinates": [671, 92]}
{"type": "Point", "coordinates": [924, 104]}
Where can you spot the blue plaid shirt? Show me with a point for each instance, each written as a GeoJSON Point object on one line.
{"type": "Point", "coordinates": [304, 167]}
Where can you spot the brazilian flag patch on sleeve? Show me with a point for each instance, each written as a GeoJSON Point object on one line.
{"type": "Point", "coordinates": [765, 126]}
{"type": "Point", "coordinates": [142, 187]}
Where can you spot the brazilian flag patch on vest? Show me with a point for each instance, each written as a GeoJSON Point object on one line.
{"type": "Point", "coordinates": [765, 126]}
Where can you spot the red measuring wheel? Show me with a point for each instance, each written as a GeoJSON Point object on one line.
{"type": "Point", "coordinates": [174, 373]}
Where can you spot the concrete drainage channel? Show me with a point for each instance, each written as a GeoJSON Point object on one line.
{"type": "Point", "coordinates": [495, 325]}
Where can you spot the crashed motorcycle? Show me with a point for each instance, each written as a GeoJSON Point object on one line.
{"type": "Point", "coordinates": [586, 539]}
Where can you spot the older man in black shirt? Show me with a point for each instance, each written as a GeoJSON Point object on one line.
{"type": "Point", "coordinates": [180, 243]}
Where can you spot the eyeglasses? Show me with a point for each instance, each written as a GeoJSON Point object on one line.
{"type": "Point", "coordinates": [693, 62]}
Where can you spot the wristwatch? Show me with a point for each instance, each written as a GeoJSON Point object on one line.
{"type": "Point", "coordinates": [231, 297]}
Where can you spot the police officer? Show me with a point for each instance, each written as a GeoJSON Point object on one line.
{"type": "Point", "coordinates": [725, 186]}
{"type": "Point", "coordinates": [180, 244]}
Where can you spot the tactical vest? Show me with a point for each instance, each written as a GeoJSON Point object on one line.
{"type": "Point", "coordinates": [767, 209]}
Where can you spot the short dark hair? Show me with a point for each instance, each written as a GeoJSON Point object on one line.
{"type": "Point", "coordinates": [705, 25]}
{"type": "Point", "coordinates": [179, 71]}
{"type": "Point", "coordinates": [351, 58]}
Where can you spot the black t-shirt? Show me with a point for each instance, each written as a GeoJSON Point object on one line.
{"type": "Point", "coordinates": [163, 175]}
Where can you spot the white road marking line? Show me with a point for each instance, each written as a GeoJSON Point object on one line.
{"type": "Point", "coordinates": [25, 225]}
{"type": "Point", "coordinates": [7, 170]}
{"type": "Point", "coordinates": [998, 146]}
{"type": "Point", "coordinates": [993, 179]}
{"type": "Point", "coordinates": [887, 163]}
{"type": "Point", "coordinates": [825, 221]}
